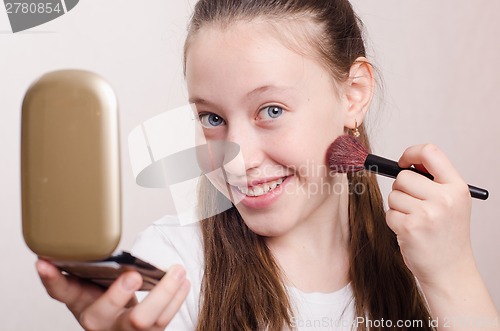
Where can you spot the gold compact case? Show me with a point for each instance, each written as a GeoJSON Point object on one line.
{"type": "Point", "coordinates": [70, 167]}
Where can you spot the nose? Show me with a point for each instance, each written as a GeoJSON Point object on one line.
{"type": "Point", "coordinates": [249, 155]}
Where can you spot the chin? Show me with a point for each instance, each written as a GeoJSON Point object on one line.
{"type": "Point", "coordinates": [266, 226]}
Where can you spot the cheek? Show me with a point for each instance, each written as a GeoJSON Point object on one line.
{"type": "Point", "coordinates": [310, 142]}
{"type": "Point", "coordinates": [303, 147]}
{"type": "Point", "coordinates": [321, 122]}
{"type": "Point", "coordinates": [300, 154]}
{"type": "Point", "coordinates": [284, 145]}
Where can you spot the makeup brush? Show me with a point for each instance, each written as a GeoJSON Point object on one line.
{"type": "Point", "coordinates": [347, 154]}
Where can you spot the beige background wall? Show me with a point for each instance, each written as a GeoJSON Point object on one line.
{"type": "Point", "coordinates": [439, 64]}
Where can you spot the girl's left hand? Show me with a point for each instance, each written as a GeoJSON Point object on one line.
{"type": "Point", "coordinates": [431, 218]}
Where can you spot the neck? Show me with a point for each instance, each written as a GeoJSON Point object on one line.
{"type": "Point", "coordinates": [314, 255]}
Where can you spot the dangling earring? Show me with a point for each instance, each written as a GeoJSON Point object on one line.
{"type": "Point", "coordinates": [355, 131]}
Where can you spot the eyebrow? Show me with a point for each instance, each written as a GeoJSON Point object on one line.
{"type": "Point", "coordinates": [200, 101]}
{"type": "Point", "coordinates": [252, 93]}
{"type": "Point", "coordinates": [265, 88]}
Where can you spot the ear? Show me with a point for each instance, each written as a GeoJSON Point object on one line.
{"type": "Point", "coordinates": [359, 92]}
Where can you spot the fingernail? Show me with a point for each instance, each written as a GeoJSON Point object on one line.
{"type": "Point", "coordinates": [130, 282]}
{"type": "Point", "coordinates": [41, 267]}
{"type": "Point", "coordinates": [179, 273]}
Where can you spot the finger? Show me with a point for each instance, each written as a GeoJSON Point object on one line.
{"type": "Point", "coordinates": [433, 159]}
{"type": "Point", "coordinates": [106, 309]}
{"type": "Point", "coordinates": [122, 323]}
{"type": "Point", "coordinates": [396, 220]}
{"type": "Point", "coordinates": [174, 306]}
{"type": "Point", "coordinates": [67, 290]}
{"type": "Point", "coordinates": [402, 202]}
{"type": "Point", "coordinates": [146, 314]}
{"type": "Point", "coordinates": [415, 185]}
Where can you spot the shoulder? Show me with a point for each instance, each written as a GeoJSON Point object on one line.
{"type": "Point", "coordinates": [167, 242]}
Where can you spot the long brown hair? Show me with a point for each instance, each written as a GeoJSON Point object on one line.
{"type": "Point", "coordinates": [242, 286]}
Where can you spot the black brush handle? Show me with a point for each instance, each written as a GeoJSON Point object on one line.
{"type": "Point", "coordinates": [390, 168]}
{"type": "Point", "coordinates": [478, 193]}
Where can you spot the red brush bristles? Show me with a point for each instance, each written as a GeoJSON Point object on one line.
{"type": "Point", "coordinates": [346, 154]}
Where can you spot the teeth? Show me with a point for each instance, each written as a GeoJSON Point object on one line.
{"type": "Point", "coordinates": [261, 189]}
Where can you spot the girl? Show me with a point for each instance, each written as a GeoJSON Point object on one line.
{"type": "Point", "coordinates": [302, 248]}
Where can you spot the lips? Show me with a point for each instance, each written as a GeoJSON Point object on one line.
{"type": "Point", "coordinates": [260, 189]}
{"type": "Point", "coordinates": [262, 195]}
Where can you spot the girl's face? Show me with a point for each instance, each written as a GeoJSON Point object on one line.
{"type": "Point", "coordinates": [282, 109]}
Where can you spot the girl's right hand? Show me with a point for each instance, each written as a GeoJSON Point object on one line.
{"type": "Point", "coordinates": [116, 308]}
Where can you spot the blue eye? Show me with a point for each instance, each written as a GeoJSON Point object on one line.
{"type": "Point", "coordinates": [271, 112]}
{"type": "Point", "coordinates": [210, 120]}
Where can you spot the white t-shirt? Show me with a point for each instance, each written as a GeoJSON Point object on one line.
{"type": "Point", "coordinates": [166, 242]}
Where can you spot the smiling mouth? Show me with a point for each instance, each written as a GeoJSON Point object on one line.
{"type": "Point", "coordinates": [261, 189]}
